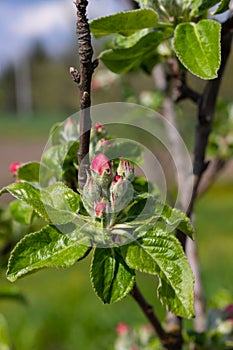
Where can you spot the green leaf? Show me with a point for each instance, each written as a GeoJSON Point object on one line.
{"type": "Point", "coordinates": [125, 23]}
{"type": "Point", "coordinates": [223, 6]}
{"type": "Point", "coordinates": [57, 203]}
{"type": "Point", "coordinates": [29, 172]}
{"type": "Point", "coordinates": [174, 219]}
{"type": "Point", "coordinates": [127, 149]}
{"type": "Point", "coordinates": [5, 342]}
{"type": "Point", "coordinates": [197, 45]}
{"type": "Point", "coordinates": [61, 197]}
{"type": "Point", "coordinates": [29, 194]}
{"type": "Point", "coordinates": [122, 60]}
{"type": "Point", "coordinates": [21, 212]}
{"type": "Point", "coordinates": [46, 248]}
{"type": "Point", "coordinates": [111, 278]}
{"type": "Point", "coordinates": [58, 163]}
{"type": "Point", "coordinates": [161, 254]}
{"type": "Point", "coordinates": [200, 6]}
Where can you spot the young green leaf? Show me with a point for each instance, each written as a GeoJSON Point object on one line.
{"type": "Point", "coordinates": [111, 278]}
{"type": "Point", "coordinates": [29, 172]}
{"type": "Point", "coordinates": [123, 60]}
{"type": "Point", "coordinates": [21, 212]}
{"type": "Point", "coordinates": [200, 6]}
{"type": "Point", "coordinates": [222, 7]}
{"type": "Point", "coordinates": [161, 254]}
{"type": "Point", "coordinates": [57, 203]}
{"type": "Point", "coordinates": [45, 248]}
{"type": "Point", "coordinates": [197, 45]}
{"type": "Point", "coordinates": [29, 194]}
{"type": "Point", "coordinates": [124, 23]}
{"type": "Point", "coordinates": [61, 197]}
{"type": "Point", "coordinates": [174, 219]}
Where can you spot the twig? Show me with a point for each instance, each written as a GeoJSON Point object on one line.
{"type": "Point", "coordinates": [205, 116]}
{"type": "Point", "coordinates": [84, 80]}
{"type": "Point", "coordinates": [149, 313]}
{"type": "Point", "coordinates": [212, 172]}
{"type": "Point", "coordinates": [206, 109]}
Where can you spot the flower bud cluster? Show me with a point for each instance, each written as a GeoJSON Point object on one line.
{"type": "Point", "coordinates": [108, 188]}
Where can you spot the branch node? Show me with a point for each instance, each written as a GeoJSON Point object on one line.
{"type": "Point", "coordinates": [75, 75]}
{"type": "Point", "coordinates": [95, 63]}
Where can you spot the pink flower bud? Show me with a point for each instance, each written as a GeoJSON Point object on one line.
{"type": "Point", "coordinates": [102, 145]}
{"type": "Point", "coordinates": [121, 193]}
{"type": "Point", "coordinates": [14, 167]}
{"type": "Point", "coordinates": [122, 328]}
{"type": "Point", "coordinates": [100, 209]}
{"type": "Point", "coordinates": [125, 169]}
{"type": "Point", "coordinates": [99, 127]}
{"type": "Point", "coordinates": [101, 164]}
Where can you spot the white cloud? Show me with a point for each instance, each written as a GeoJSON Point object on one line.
{"type": "Point", "coordinates": [40, 18]}
{"type": "Point", "coordinates": [51, 21]}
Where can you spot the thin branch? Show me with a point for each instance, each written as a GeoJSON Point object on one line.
{"type": "Point", "coordinates": [205, 116]}
{"type": "Point", "coordinates": [216, 166]}
{"type": "Point", "coordinates": [84, 80]}
{"type": "Point", "coordinates": [149, 313]}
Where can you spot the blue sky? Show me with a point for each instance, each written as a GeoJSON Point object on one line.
{"type": "Point", "coordinates": [23, 22]}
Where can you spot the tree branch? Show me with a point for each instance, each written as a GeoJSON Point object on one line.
{"type": "Point", "coordinates": [213, 170]}
{"type": "Point", "coordinates": [206, 115]}
{"type": "Point", "coordinates": [168, 340]}
{"type": "Point", "coordinates": [84, 80]}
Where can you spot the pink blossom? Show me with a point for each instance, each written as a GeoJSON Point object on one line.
{"type": "Point", "coordinates": [122, 328]}
{"type": "Point", "coordinates": [14, 167]}
{"type": "Point", "coordinates": [101, 164]}
{"type": "Point", "coordinates": [100, 209]}
{"type": "Point", "coordinates": [99, 127]}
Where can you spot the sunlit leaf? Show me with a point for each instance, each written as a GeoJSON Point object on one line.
{"type": "Point", "coordinates": [111, 278]}
{"type": "Point", "coordinates": [161, 254]}
{"type": "Point", "coordinates": [45, 248]}
{"type": "Point", "coordinates": [21, 212]}
{"type": "Point", "coordinates": [123, 60]}
{"type": "Point", "coordinates": [197, 46]}
{"type": "Point", "coordinates": [125, 23]}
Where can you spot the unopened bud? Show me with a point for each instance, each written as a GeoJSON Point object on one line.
{"type": "Point", "coordinates": [121, 193]}
{"type": "Point", "coordinates": [14, 167]}
{"type": "Point", "coordinates": [100, 209]}
{"type": "Point", "coordinates": [101, 170]}
{"type": "Point", "coordinates": [91, 193]}
{"type": "Point", "coordinates": [103, 144]}
{"type": "Point", "coordinates": [75, 75]}
{"type": "Point", "coordinates": [125, 169]}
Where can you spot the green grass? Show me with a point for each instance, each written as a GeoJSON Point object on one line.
{"type": "Point", "coordinates": [30, 127]}
{"type": "Point", "coordinates": [214, 221]}
{"type": "Point", "coordinates": [63, 313]}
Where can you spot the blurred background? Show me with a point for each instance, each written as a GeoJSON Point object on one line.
{"type": "Point", "coordinates": [38, 45]}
